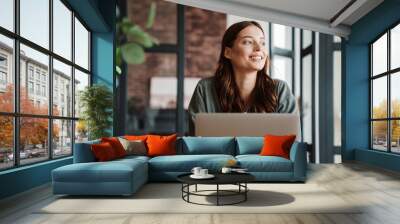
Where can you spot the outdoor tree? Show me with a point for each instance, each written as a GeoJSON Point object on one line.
{"type": "Point", "coordinates": [33, 131]}
{"type": "Point", "coordinates": [380, 127]}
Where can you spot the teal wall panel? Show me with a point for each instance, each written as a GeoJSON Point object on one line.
{"type": "Point", "coordinates": [356, 79]}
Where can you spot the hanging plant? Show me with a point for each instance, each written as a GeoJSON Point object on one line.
{"type": "Point", "coordinates": [132, 40]}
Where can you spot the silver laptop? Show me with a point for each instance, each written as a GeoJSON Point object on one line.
{"type": "Point", "coordinates": [246, 124]}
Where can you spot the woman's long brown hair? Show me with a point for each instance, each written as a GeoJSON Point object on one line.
{"type": "Point", "coordinates": [263, 97]}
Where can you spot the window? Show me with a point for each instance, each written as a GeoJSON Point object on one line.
{"type": "Point", "coordinates": [30, 87]}
{"type": "Point", "coordinates": [3, 78]}
{"type": "Point", "coordinates": [43, 90]}
{"type": "Point", "coordinates": [7, 14]}
{"type": "Point", "coordinates": [30, 72]}
{"type": "Point", "coordinates": [37, 89]}
{"type": "Point", "coordinates": [3, 61]}
{"type": "Point", "coordinates": [81, 45]}
{"type": "Point", "coordinates": [385, 97]}
{"type": "Point", "coordinates": [53, 125]}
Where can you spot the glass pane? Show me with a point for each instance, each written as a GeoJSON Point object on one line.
{"type": "Point", "coordinates": [379, 98]}
{"type": "Point", "coordinates": [282, 68]}
{"type": "Point", "coordinates": [34, 72]}
{"type": "Point", "coordinates": [307, 99]}
{"type": "Point", "coordinates": [379, 55]}
{"type": "Point", "coordinates": [81, 131]}
{"type": "Point", "coordinates": [379, 135]}
{"type": "Point", "coordinates": [151, 96]}
{"type": "Point", "coordinates": [62, 138]}
{"type": "Point", "coordinates": [6, 142]}
{"type": "Point", "coordinates": [395, 95]}
{"type": "Point", "coordinates": [33, 139]}
{"type": "Point", "coordinates": [395, 136]}
{"type": "Point", "coordinates": [307, 38]}
{"type": "Point", "coordinates": [35, 21]}
{"type": "Point", "coordinates": [166, 14]}
{"type": "Point", "coordinates": [62, 29]}
{"type": "Point", "coordinates": [282, 36]}
{"type": "Point", "coordinates": [6, 74]}
{"type": "Point", "coordinates": [81, 81]}
{"type": "Point", "coordinates": [7, 14]}
{"type": "Point", "coordinates": [395, 47]}
{"type": "Point", "coordinates": [81, 45]}
{"type": "Point", "coordinates": [62, 89]}
{"type": "Point", "coordinates": [337, 96]}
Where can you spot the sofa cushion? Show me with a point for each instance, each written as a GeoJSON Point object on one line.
{"type": "Point", "coordinates": [116, 145]}
{"type": "Point", "coordinates": [257, 163]}
{"type": "Point", "coordinates": [249, 145]}
{"type": "Point", "coordinates": [111, 171]}
{"type": "Point", "coordinates": [161, 145]}
{"type": "Point", "coordinates": [207, 145]}
{"type": "Point", "coordinates": [103, 152]}
{"type": "Point", "coordinates": [134, 147]}
{"type": "Point", "coordinates": [275, 145]}
{"type": "Point", "coordinates": [185, 163]}
{"type": "Point", "coordinates": [83, 152]}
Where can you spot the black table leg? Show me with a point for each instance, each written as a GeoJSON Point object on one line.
{"type": "Point", "coordinates": [217, 194]}
{"type": "Point", "coordinates": [196, 188]}
{"type": "Point", "coordinates": [245, 193]}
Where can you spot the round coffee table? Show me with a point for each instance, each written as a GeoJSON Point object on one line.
{"type": "Point", "coordinates": [238, 179]}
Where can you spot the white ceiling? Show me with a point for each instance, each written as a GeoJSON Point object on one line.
{"type": "Point", "coordinates": [316, 15]}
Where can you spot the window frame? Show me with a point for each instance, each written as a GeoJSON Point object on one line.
{"type": "Point", "coordinates": [16, 114]}
{"type": "Point", "coordinates": [388, 74]}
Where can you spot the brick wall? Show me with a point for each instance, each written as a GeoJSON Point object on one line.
{"type": "Point", "coordinates": [203, 35]}
{"type": "Point", "coordinates": [203, 30]}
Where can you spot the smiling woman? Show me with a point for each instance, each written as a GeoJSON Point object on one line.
{"type": "Point", "coordinates": [241, 82]}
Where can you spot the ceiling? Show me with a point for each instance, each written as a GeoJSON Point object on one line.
{"type": "Point", "coordinates": [325, 16]}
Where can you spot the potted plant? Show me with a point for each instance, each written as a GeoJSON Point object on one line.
{"type": "Point", "coordinates": [96, 103]}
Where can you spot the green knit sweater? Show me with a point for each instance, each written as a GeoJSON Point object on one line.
{"type": "Point", "coordinates": [205, 100]}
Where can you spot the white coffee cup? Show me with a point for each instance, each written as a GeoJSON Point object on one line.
{"type": "Point", "coordinates": [196, 170]}
{"type": "Point", "coordinates": [226, 170]}
{"type": "Point", "coordinates": [203, 172]}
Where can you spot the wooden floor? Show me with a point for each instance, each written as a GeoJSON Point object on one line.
{"type": "Point", "coordinates": [378, 188]}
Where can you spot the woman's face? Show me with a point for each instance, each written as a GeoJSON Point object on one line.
{"type": "Point", "coordinates": [248, 52]}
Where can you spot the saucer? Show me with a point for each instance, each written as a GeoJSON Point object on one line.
{"type": "Point", "coordinates": [208, 176]}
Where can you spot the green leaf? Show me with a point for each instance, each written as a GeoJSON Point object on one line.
{"type": "Point", "coordinates": [139, 36]}
{"type": "Point", "coordinates": [118, 70]}
{"type": "Point", "coordinates": [132, 53]}
{"type": "Point", "coordinates": [151, 16]}
{"type": "Point", "coordinates": [118, 56]}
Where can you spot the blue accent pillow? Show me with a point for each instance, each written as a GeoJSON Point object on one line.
{"type": "Point", "coordinates": [207, 145]}
{"type": "Point", "coordinates": [249, 145]}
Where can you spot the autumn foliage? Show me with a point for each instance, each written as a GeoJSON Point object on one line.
{"type": "Point", "coordinates": [380, 127]}
{"type": "Point", "coordinates": [33, 131]}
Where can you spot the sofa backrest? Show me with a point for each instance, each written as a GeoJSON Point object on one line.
{"type": "Point", "coordinates": [249, 145]}
{"type": "Point", "coordinates": [83, 152]}
{"type": "Point", "coordinates": [206, 145]}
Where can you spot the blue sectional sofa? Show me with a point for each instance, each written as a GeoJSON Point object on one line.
{"type": "Point", "coordinates": [125, 176]}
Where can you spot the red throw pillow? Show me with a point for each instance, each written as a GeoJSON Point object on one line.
{"type": "Point", "coordinates": [103, 151]}
{"type": "Point", "coordinates": [277, 145]}
{"type": "Point", "coordinates": [161, 145]}
{"type": "Point", "coordinates": [116, 145]}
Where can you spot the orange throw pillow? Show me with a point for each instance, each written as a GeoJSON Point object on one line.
{"type": "Point", "coordinates": [136, 137]}
{"type": "Point", "coordinates": [103, 152]}
{"type": "Point", "coordinates": [116, 145]}
{"type": "Point", "coordinates": [161, 145]}
{"type": "Point", "coordinates": [277, 145]}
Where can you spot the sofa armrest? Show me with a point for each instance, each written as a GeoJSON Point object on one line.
{"type": "Point", "coordinates": [299, 159]}
{"type": "Point", "coordinates": [83, 152]}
